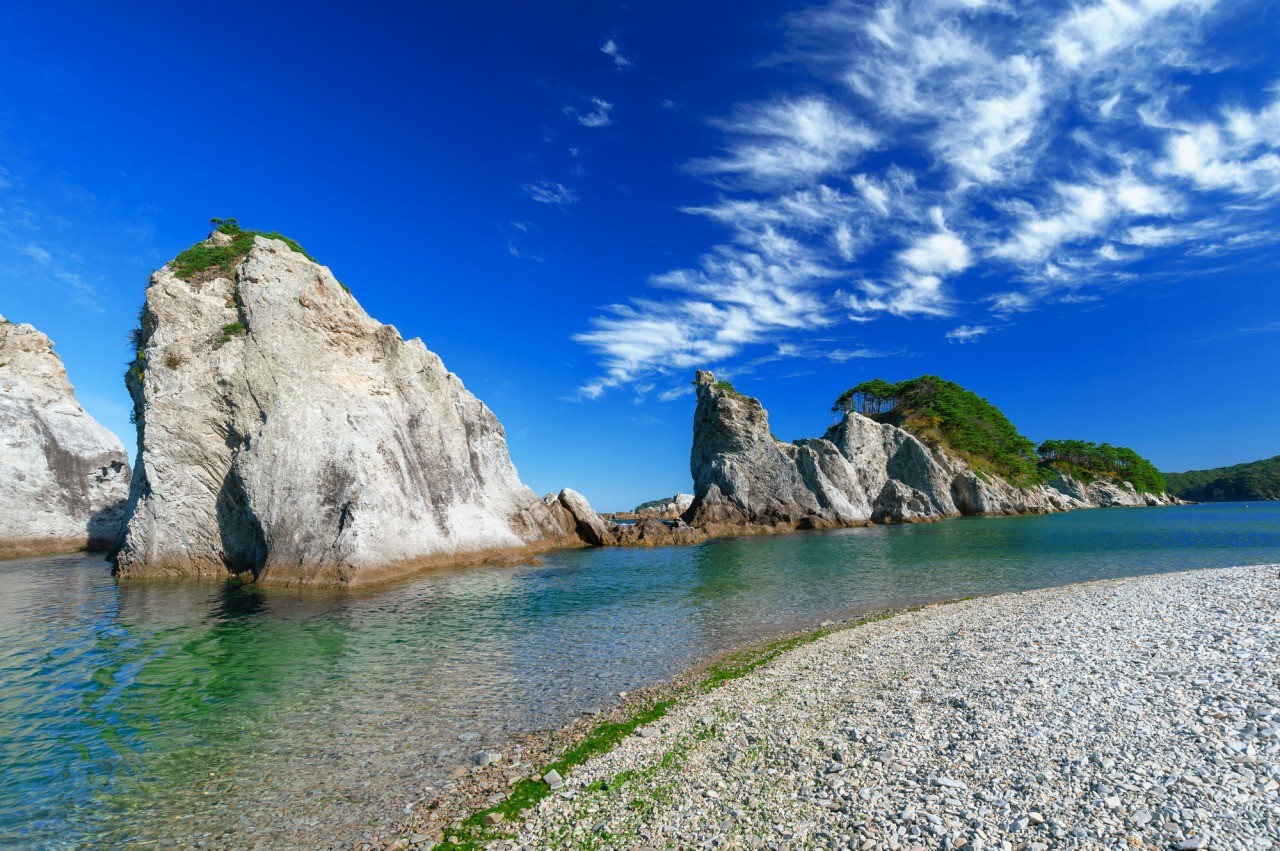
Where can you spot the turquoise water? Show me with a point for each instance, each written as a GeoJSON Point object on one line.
{"type": "Point", "coordinates": [174, 714]}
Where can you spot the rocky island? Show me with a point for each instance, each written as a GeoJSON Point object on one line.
{"type": "Point", "coordinates": [286, 436]}
{"type": "Point", "coordinates": [66, 477]}
{"type": "Point", "coordinates": [869, 470]}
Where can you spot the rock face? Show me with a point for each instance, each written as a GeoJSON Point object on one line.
{"type": "Point", "coordinates": [286, 436]}
{"type": "Point", "coordinates": [861, 471]}
{"type": "Point", "coordinates": [64, 478]}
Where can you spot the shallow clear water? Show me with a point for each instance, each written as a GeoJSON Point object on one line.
{"type": "Point", "coordinates": [176, 714]}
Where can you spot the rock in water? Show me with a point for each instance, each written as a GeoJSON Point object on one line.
{"type": "Point", "coordinates": [668, 508]}
{"type": "Point", "coordinates": [748, 481]}
{"type": "Point", "coordinates": [64, 478]}
{"type": "Point", "coordinates": [286, 436]}
{"type": "Point", "coordinates": [745, 479]}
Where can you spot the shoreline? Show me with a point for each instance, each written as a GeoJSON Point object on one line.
{"type": "Point", "coordinates": [486, 804]}
{"type": "Point", "coordinates": [395, 572]}
{"type": "Point", "coordinates": [463, 807]}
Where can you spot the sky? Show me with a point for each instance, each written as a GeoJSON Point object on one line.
{"type": "Point", "coordinates": [1071, 208]}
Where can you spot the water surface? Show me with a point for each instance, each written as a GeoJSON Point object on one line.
{"type": "Point", "coordinates": [176, 714]}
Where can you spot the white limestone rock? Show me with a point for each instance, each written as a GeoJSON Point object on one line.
{"type": "Point", "coordinates": [285, 435]}
{"type": "Point", "coordinates": [64, 478]}
{"type": "Point", "coordinates": [745, 479]}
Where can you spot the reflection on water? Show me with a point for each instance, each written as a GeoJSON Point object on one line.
{"type": "Point", "coordinates": [168, 714]}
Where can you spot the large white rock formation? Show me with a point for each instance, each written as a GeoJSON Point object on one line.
{"type": "Point", "coordinates": [284, 435]}
{"type": "Point", "coordinates": [64, 477]}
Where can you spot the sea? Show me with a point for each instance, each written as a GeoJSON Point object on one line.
{"type": "Point", "coordinates": [213, 714]}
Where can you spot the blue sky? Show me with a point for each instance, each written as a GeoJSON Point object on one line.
{"type": "Point", "coordinates": [1070, 208]}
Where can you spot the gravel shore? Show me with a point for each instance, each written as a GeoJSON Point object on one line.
{"type": "Point", "coordinates": [1136, 713]}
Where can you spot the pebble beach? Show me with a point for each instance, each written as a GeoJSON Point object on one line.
{"type": "Point", "coordinates": [1134, 713]}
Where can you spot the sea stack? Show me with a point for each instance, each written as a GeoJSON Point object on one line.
{"type": "Point", "coordinates": [65, 477]}
{"type": "Point", "coordinates": [746, 480]}
{"type": "Point", "coordinates": [287, 437]}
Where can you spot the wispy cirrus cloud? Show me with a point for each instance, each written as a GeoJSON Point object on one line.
{"type": "Point", "coordinates": [738, 296]}
{"type": "Point", "coordinates": [784, 142]}
{"type": "Point", "coordinates": [610, 48]}
{"type": "Point", "coordinates": [550, 192]}
{"type": "Point", "coordinates": [34, 241]}
{"type": "Point", "coordinates": [599, 114]}
{"type": "Point", "coordinates": [1030, 152]}
{"type": "Point", "coordinates": [967, 333]}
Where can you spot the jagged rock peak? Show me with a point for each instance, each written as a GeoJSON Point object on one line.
{"type": "Point", "coordinates": [745, 477]}
{"type": "Point", "coordinates": [65, 476]}
{"type": "Point", "coordinates": [285, 435]}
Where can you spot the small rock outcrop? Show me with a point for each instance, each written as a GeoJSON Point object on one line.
{"type": "Point", "coordinates": [861, 471]}
{"type": "Point", "coordinates": [286, 436]}
{"type": "Point", "coordinates": [65, 476]}
{"type": "Point", "coordinates": [667, 508]}
{"type": "Point", "coordinates": [574, 513]}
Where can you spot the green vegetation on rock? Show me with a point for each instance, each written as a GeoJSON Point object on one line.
{"type": "Point", "coordinates": [1088, 461]}
{"type": "Point", "coordinates": [204, 259]}
{"type": "Point", "coordinates": [727, 387]}
{"type": "Point", "coordinates": [1256, 480]}
{"type": "Point", "coordinates": [942, 413]}
{"type": "Point", "coordinates": [234, 329]}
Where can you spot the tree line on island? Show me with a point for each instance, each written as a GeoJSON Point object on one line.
{"type": "Point", "coordinates": [1256, 480]}
{"type": "Point", "coordinates": [941, 412]}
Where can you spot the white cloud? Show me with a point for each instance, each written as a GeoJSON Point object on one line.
{"type": "Point", "coordinates": [37, 253]}
{"type": "Point", "coordinates": [550, 192]}
{"type": "Point", "coordinates": [599, 116]}
{"type": "Point", "coordinates": [1157, 236]}
{"type": "Point", "coordinates": [906, 294]}
{"type": "Point", "coordinates": [966, 333]}
{"type": "Point", "coordinates": [917, 285]}
{"type": "Point", "coordinates": [974, 108]}
{"type": "Point", "coordinates": [610, 48]}
{"type": "Point", "coordinates": [846, 355]}
{"type": "Point", "coordinates": [1003, 304]}
{"type": "Point", "coordinates": [56, 268]}
{"type": "Point", "coordinates": [1080, 213]}
{"type": "Point", "coordinates": [738, 296]}
{"type": "Point", "coordinates": [1240, 153]}
{"type": "Point", "coordinates": [986, 140]}
{"type": "Point", "coordinates": [788, 142]}
{"type": "Point", "coordinates": [1048, 144]}
{"type": "Point", "coordinates": [938, 253]}
{"type": "Point", "coordinates": [1094, 32]}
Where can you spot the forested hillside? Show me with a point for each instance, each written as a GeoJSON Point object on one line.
{"type": "Point", "coordinates": [1240, 483]}
{"type": "Point", "coordinates": [941, 412]}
